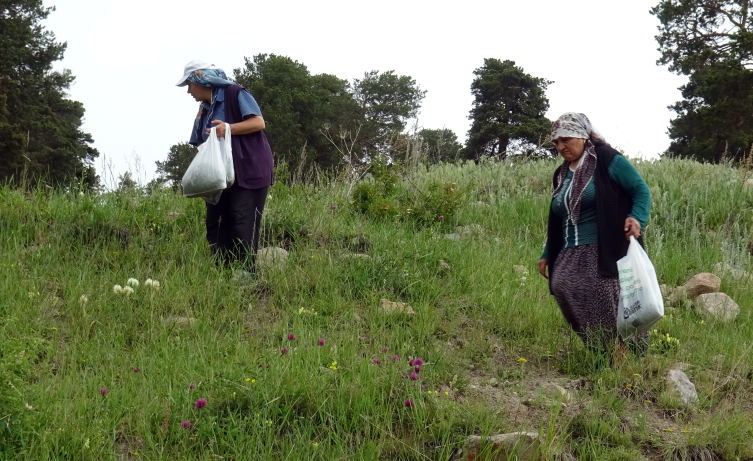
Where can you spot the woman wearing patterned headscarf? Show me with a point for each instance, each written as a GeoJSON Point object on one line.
{"type": "Point", "coordinates": [233, 224]}
{"type": "Point", "coordinates": [599, 201]}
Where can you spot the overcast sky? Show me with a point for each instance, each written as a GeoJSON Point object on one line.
{"type": "Point", "coordinates": [127, 57]}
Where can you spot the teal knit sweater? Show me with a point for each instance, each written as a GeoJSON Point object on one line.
{"type": "Point", "coordinates": [586, 230]}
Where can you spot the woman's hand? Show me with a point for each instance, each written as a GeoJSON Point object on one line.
{"type": "Point", "coordinates": [220, 125]}
{"type": "Point", "coordinates": [632, 227]}
{"type": "Point", "coordinates": [542, 268]}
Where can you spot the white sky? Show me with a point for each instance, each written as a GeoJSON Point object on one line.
{"type": "Point", "coordinates": [127, 57]}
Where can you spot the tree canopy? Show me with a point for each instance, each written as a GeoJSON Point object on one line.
{"type": "Point", "coordinates": [40, 128]}
{"type": "Point", "coordinates": [509, 106]}
{"type": "Point", "coordinates": [178, 159]}
{"type": "Point", "coordinates": [711, 42]}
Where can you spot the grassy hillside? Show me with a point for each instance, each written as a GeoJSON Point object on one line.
{"type": "Point", "coordinates": [491, 337]}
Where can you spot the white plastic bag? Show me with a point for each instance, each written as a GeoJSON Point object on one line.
{"type": "Point", "coordinates": [211, 171]}
{"type": "Point", "coordinates": [641, 304]}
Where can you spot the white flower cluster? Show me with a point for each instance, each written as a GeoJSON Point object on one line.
{"type": "Point", "coordinates": [117, 289]}
{"type": "Point", "coordinates": [152, 284]}
{"type": "Point", "coordinates": [130, 285]}
{"type": "Point", "coordinates": [84, 300]}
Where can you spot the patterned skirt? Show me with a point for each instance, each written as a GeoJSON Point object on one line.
{"type": "Point", "coordinates": [588, 301]}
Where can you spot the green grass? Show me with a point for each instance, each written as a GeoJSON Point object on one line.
{"type": "Point", "coordinates": [473, 322]}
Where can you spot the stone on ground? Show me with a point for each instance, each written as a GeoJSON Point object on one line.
{"type": "Point", "coordinates": [699, 284]}
{"type": "Point", "coordinates": [718, 306]}
{"type": "Point", "coordinates": [271, 257]}
{"type": "Point", "coordinates": [390, 307]}
{"type": "Point", "coordinates": [523, 446]}
{"type": "Point", "coordinates": [678, 383]}
{"type": "Point", "coordinates": [556, 391]}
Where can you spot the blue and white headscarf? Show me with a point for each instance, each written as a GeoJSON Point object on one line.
{"type": "Point", "coordinates": [210, 78]}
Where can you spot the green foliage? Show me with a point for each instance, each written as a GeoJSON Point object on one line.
{"type": "Point", "coordinates": [176, 164]}
{"type": "Point", "coordinates": [508, 111]}
{"type": "Point", "coordinates": [440, 145]}
{"type": "Point", "coordinates": [388, 101]}
{"type": "Point", "coordinates": [40, 133]}
{"type": "Point", "coordinates": [296, 105]}
{"type": "Point", "coordinates": [475, 317]}
{"type": "Point", "coordinates": [710, 42]}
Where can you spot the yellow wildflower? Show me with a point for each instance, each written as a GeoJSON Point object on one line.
{"type": "Point", "coordinates": [522, 360]}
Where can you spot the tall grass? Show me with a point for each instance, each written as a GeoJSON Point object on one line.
{"type": "Point", "coordinates": [205, 335]}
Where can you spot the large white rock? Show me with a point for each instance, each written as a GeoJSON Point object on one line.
{"type": "Point", "coordinates": [271, 257]}
{"type": "Point", "coordinates": [678, 383]}
{"type": "Point", "coordinates": [705, 282]}
{"type": "Point", "coordinates": [522, 446]}
{"type": "Point", "coordinates": [717, 305]}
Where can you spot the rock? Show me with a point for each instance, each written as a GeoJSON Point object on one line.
{"type": "Point", "coordinates": [470, 229]}
{"type": "Point", "coordinates": [355, 256]}
{"type": "Point", "coordinates": [523, 446]}
{"type": "Point", "coordinates": [493, 382]}
{"type": "Point", "coordinates": [556, 392]}
{"type": "Point", "coordinates": [272, 257]}
{"type": "Point", "coordinates": [444, 265]}
{"type": "Point", "coordinates": [520, 270]}
{"type": "Point", "coordinates": [179, 322]}
{"type": "Point", "coordinates": [389, 307]}
{"type": "Point", "coordinates": [702, 283]}
{"type": "Point", "coordinates": [717, 305]}
{"type": "Point", "coordinates": [678, 383]}
{"type": "Point", "coordinates": [725, 270]}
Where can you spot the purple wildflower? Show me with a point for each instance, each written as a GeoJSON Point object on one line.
{"type": "Point", "coordinates": [417, 369]}
{"type": "Point", "coordinates": [186, 424]}
{"type": "Point", "coordinates": [385, 350]}
{"type": "Point", "coordinates": [411, 362]}
{"type": "Point", "coordinates": [441, 218]}
{"type": "Point", "coordinates": [409, 403]}
{"type": "Point", "coordinates": [192, 386]}
{"type": "Point", "coordinates": [666, 214]}
{"type": "Point", "coordinates": [332, 207]}
{"type": "Point", "coordinates": [137, 369]}
{"type": "Point", "coordinates": [423, 388]}
{"type": "Point", "coordinates": [201, 403]}
{"type": "Point", "coordinates": [395, 357]}
{"type": "Point", "coordinates": [291, 337]}
{"type": "Point", "coordinates": [419, 362]}
{"type": "Point", "coordinates": [103, 391]}
{"type": "Point", "coordinates": [283, 351]}
{"type": "Point", "coordinates": [321, 342]}
{"type": "Point", "coordinates": [414, 377]}
{"type": "Point", "coordinates": [376, 361]}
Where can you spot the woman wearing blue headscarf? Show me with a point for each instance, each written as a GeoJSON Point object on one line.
{"type": "Point", "coordinates": [233, 224]}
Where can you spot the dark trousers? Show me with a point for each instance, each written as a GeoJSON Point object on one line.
{"type": "Point", "coordinates": [233, 224]}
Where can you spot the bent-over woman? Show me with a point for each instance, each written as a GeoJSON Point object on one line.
{"type": "Point", "coordinates": [599, 201]}
{"type": "Point", "coordinates": [233, 224]}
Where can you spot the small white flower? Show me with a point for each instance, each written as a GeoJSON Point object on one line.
{"type": "Point", "coordinates": [80, 194]}
{"type": "Point", "coordinates": [155, 284]}
{"type": "Point", "coordinates": [148, 282]}
{"type": "Point", "coordinates": [83, 300]}
{"type": "Point", "coordinates": [29, 407]}
{"type": "Point", "coordinates": [132, 282]}
{"type": "Point", "coordinates": [117, 289]}
{"type": "Point", "coordinates": [127, 290]}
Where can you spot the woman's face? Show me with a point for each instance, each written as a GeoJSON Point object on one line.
{"type": "Point", "coordinates": [199, 93]}
{"type": "Point", "coordinates": [570, 148]}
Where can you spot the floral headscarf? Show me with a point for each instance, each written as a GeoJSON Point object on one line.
{"type": "Point", "coordinates": [575, 125]}
{"type": "Point", "coordinates": [210, 78]}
